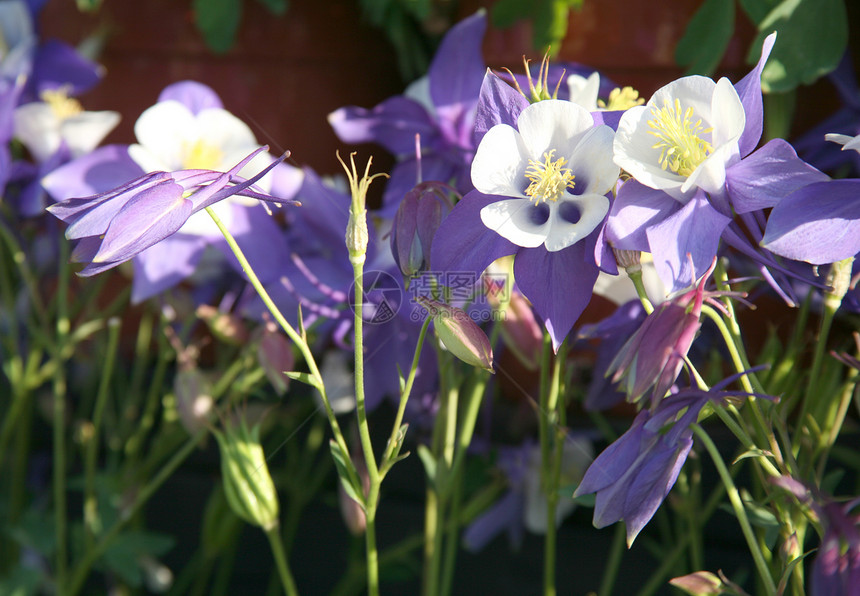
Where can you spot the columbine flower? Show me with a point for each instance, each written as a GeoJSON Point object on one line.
{"type": "Point", "coordinates": [439, 108]}
{"type": "Point", "coordinates": [818, 223]}
{"type": "Point", "coordinates": [541, 187]}
{"type": "Point", "coordinates": [113, 227]}
{"type": "Point", "coordinates": [696, 178]}
{"type": "Point", "coordinates": [58, 122]}
{"type": "Point", "coordinates": [635, 473]}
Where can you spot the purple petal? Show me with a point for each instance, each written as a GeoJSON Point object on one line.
{"type": "Point", "coordinates": [193, 95]}
{"type": "Point", "coordinates": [457, 69]}
{"type": "Point", "coordinates": [763, 179]}
{"type": "Point", "coordinates": [635, 208]}
{"type": "Point", "coordinates": [558, 284]}
{"type": "Point", "coordinates": [506, 512]}
{"type": "Point", "coordinates": [464, 243]}
{"type": "Point", "coordinates": [104, 169]}
{"type": "Point", "coordinates": [819, 223]}
{"type": "Point", "coordinates": [749, 90]}
{"type": "Point", "coordinates": [392, 124]}
{"type": "Point", "coordinates": [165, 264]}
{"type": "Point", "coordinates": [614, 461]}
{"type": "Point", "coordinates": [499, 103]}
{"type": "Point", "coordinates": [652, 483]}
{"type": "Point", "coordinates": [404, 177]}
{"type": "Point", "coordinates": [149, 217]}
{"type": "Point", "coordinates": [694, 230]}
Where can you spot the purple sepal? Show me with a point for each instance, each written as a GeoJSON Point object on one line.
{"type": "Point", "coordinates": [636, 207]}
{"type": "Point", "coordinates": [558, 284]}
{"type": "Point", "coordinates": [610, 119]}
{"type": "Point", "coordinates": [695, 230]}
{"type": "Point", "coordinates": [764, 178]}
{"type": "Point", "coordinates": [193, 95]}
{"type": "Point", "coordinates": [56, 65]}
{"type": "Point", "coordinates": [165, 264]}
{"type": "Point", "coordinates": [97, 172]}
{"type": "Point", "coordinates": [499, 103]}
{"type": "Point", "coordinates": [819, 223]}
{"type": "Point", "coordinates": [392, 124]}
{"type": "Point", "coordinates": [749, 90]}
{"type": "Point", "coordinates": [464, 243]}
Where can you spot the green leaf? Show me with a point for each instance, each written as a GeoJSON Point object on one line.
{"type": "Point", "coordinates": [303, 377]}
{"type": "Point", "coordinates": [218, 21]}
{"type": "Point", "coordinates": [706, 37]}
{"type": "Point", "coordinates": [757, 10]}
{"type": "Point", "coordinates": [88, 5]}
{"type": "Point", "coordinates": [22, 581]}
{"type": "Point", "coordinates": [276, 7]}
{"type": "Point", "coordinates": [811, 38]}
{"type": "Point", "coordinates": [340, 462]}
{"type": "Point", "coordinates": [123, 557]}
{"type": "Point", "coordinates": [426, 457]}
{"type": "Point", "coordinates": [507, 12]}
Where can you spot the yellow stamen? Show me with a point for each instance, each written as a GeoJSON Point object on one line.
{"type": "Point", "coordinates": [200, 155]}
{"type": "Point", "coordinates": [621, 99]}
{"type": "Point", "coordinates": [61, 104]}
{"type": "Point", "coordinates": [549, 179]}
{"type": "Point", "coordinates": [681, 147]}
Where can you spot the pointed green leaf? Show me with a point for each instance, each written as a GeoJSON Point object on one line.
{"type": "Point", "coordinates": [218, 21]}
{"type": "Point", "coordinates": [340, 462]}
{"type": "Point", "coordinates": [706, 38]}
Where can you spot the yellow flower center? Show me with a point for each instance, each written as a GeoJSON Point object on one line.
{"type": "Point", "coordinates": [61, 104]}
{"type": "Point", "coordinates": [549, 179]}
{"type": "Point", "coordinates": [621, 99]}
{"type": "Point", "coordinates": [681, 146]}
{"type": "Point", "coordinates": [200, 155]}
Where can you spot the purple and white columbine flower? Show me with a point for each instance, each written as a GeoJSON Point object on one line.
{"type": "Point", "coordinates": [542, 173]}
{"type": "Point", "coordinates": [696, 179]}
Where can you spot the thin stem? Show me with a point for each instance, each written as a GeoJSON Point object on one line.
{"type": "Point", "coordinates": [59, 421]}
{"type": "Point", "coordinates": [616, 552]}
{"type": "Point", "coordinates": [286, 576]}
{"type": "Point", "coordinates": [296, 338]}
{"type": "Point", "coordinates": [739, 509]}
{"type": "Point", "coordinates": [635, 275]}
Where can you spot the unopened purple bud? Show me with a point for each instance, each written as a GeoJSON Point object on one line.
{"type": "Point", "coordinates": [418, 217]}
{"type": "Point", "coordinates": [460, 334]}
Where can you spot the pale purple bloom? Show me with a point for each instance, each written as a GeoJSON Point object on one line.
{"type": "Point", "coordinates": [705, 183]}
{"type": "Point", "coordinates": [440, 108]}
{"type": "Point", "coordinates": [113, 227]}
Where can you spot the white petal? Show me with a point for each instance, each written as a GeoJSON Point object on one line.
{"type": "Point", "coordinates": [553, 124]}
{"type": "Point", "coordinates": [499, 166]}
{"type": "Point", "coordinates": [562, 233]}
{"type": "Point", "coordinates": [728, 117]}
{"type": "Point", "coordinates": [847, 142]}
{"type": "Point", "coordinates": [36, 126]}
{"type": "Point", "coordinates": [584, 91]}
{"type": "Point", "coordinates": [219, 128]}
{"type": "Point", "coordinates": [694, 91]}
{"type": "Point", "coordinates": [165, 129]}
{"type": "Point", "coordinates": [592, 163]}
{"type": "Point", "coordinates": [83, 132]}
{"type": "Point", "coordinates": [513, 219]}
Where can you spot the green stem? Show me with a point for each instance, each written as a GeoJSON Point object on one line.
{"type": "Point", "coordinates": [59, 421]}
{"type": "Point", "coordinates": [287, 580]}
{"type": "Point", "coordinates": [635, 275]}
{"type": "Point", "coordinates": [739, 509]}
{"type": "Point", "coordinates": [294, 336]}
{"type": "Point", "coordinates": [616, 552]}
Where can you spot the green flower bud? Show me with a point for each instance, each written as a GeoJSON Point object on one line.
{"type": "Point", "coordinates": [357, 236]}
{"type": "Point", "coordinates": [460, 334]}
{"type": "Point", "coordinates": [248, 485]}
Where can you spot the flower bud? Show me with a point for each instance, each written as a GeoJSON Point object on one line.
{"type": "Point", "coordinates": [193, 402]}
{"type": "Point", "coordinates": [418, 217]}
{"type": "Point", "coordinates": [700, 583]}
{"type": "Point", "coordinates": [248, 485]}
{"type": "Point", "coordinates": [521, 332]}
{"type": "Point", "coordinates": [357, 236]}
{"type": "Point", "coordinates": [460, 334]}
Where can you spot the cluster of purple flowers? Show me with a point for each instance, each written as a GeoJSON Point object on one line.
{"type": "Point", "coordinates": [559, 184]}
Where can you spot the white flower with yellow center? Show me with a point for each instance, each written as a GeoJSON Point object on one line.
{"type": "Point", "coordinates": [556, 167]}
{"type": "Point", "coordinates": [171, 137]}
{"type": "Point", "coordinates": [683, 138]}
{"type": "Point", "coordinates": [45, 126]}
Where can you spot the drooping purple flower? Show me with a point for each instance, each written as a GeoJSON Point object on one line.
{"type": "Point", "coordinates": [113, 227]}
{"type": "Point", "coordinates": [633, 476]}
{"type": "Point", "coordinates": [542, 173]}
{"type": "Point", "coordinates": [701, 182]}
{"type": "Point", "coordinates": [415, 223]}
{"type": "Point", "coordinates": [440, 109]}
